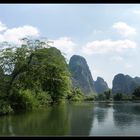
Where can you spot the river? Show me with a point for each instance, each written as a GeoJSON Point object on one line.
{"type": "Point", "coordinates": [75, 119]}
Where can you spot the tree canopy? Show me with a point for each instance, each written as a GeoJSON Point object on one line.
{"type": "Point", "coordinates": [32, 72]}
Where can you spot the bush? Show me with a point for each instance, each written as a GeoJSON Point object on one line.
{"type": "Point", "coordinates": [43, 98]}
{"type": "Point", "coordinates": [135, 97]}
{"type": "Point", "coordinates": [77, 98]}
{"type": "Point", "coordinates": [101, 97]}
{"type": "Point", "coordinates": [136, 94]}
{"type": "Point", "coordinates": [118, 97]}
{"type": "Point", "coordinates": [76, 95]}
{"type": "Point", "coordinates": [5, 108]}
{"type": "Point", "coordinates": [89, 98]}
{"type": "Point", "coordinates": [23, 100]}
{"type": "Point", "coordinates": [108, 95]}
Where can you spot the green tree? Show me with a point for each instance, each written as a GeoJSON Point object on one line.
{"type": "Point", "coordinates": [33, 72]}
{"type": "Point", "coordinates": [101, 97]}
{"type": "Point", "coordinates": [136, 93]}
{"type": "Point", "coordinates": [118, 97]}
{"type": "Point", "coordinates": [108, 95]}
{"type": "Point", "coordinates": [76, 95]}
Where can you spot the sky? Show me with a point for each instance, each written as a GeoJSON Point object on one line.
{"type": "Point", "coordinates": [106, 35]}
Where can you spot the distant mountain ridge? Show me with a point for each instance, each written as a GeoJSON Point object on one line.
{"type": "Point", "coordinates": [100, 85]}
{"type": "Point", "coordinates": [124, 84]}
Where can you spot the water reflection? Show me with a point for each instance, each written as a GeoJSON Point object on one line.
{"type": "Point", "coordinates": [44, 122]}
{"type": "Point", "coordinates": [82, 116]}
{"type": "Point", "coordinates": [65, 119]}
{"type": "Point", "coordinates": [7, 127]}
{"type": "Point", "coordinates": [80, 119]}
{"type": "Point", "coordinates": [125, 114]}
{"type": "Point", "coordinates": [101, 111]}
{"type": "Point", "coordinates": [127, 117]}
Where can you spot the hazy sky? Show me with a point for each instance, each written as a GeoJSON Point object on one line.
{"type": "Point", "coordinates": [107, 35]}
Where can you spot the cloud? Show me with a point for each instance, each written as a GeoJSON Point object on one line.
{"type": "Point", "coordinates": [107, 46]}
{"type": "Point", "coordinates": [124, 29]}
{"type": "Point", "coordinates": [136, 12]}
{"type": "Point", "coordinates": [13, 35]}
{"type": "Point", "coordinates": [2, 26]}
{"type": "Point", "coordinates": [65, 44]}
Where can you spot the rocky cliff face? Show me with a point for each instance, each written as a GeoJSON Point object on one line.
{"type": "Point", "coordinates": [81, 75]}
{"type": "Point", "coordinates": [125, 84]}
{"type": "Point", "coordinates": [100, 85]}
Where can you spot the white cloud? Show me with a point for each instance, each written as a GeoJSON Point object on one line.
{"type": "Point", "coordinates": [65, 44]}
{"type": "Point", "coordinates": [14, 35]}
{"type": "Point", "coordinates": [107, 46]}
{"type": "Point", "coordinates": [136, 12]}
{"type": "Point", "coordinates": [124, 29]}
{"type": "Point", "coordinates": [2, 26]}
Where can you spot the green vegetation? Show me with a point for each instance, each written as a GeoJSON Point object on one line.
{"type": "Point", "coordinates": [33, 76]}
{"type": "Point", "coordinates": [106, 96]}
{"type": "Point", "coordinates": [122, 97]}
{"type": "Point", "coordinates": [101, 97]}
{"type": "Point", "coordinates": [136, 94]}
{"type": "Point", "coordinates": [118, 97]}
{"type": "Point", "coordinates": [90, 98]}
{"type": "Point", "coordinates": [75, 95]}
{"type": "Point", "coordinates": [130, 97]}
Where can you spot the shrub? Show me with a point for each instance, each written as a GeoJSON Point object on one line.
{"type": "Point", "coordinates": [136, 94]}
{"type": "Point", "coordinates": [101, 97]}
{"type": "Point", "coordinates": [89, 98]}
{"type": "Point", "coordinates": [23, 100]}
{"type": "Point", "coordinates": [118, 97]}
{"type": "Point", "coordinates": [43, 98]}
{"type": "Point", "coordinates": [5, 108]}
{"type": "Point", "coordinates": [76, 95]}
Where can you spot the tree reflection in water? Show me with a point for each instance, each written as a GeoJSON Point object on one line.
{"type": "Point", "coordinates": [64, 119]}
{"type": "Point", "coordinates": [123, 115]}
{"type": "Point", "coordinates": [81, 116]}
{"type": "Point", "coordinates": [101, 112]}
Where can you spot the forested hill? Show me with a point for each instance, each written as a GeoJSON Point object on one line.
{"type": "Point", "coordinates": [32, 76]}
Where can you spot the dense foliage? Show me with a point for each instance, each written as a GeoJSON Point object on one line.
{"type": "Point", "coordinates": [122, 97]}
{"type": "Point", "coordinates": [136, 94]}
{"type": "Point", "coordinates": [32, 76]}
{"type": "Point", "coordinates": [76, 95]}
{"type": "Point", "coordinates": [106, 96]}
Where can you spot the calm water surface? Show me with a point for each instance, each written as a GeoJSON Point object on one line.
{"type": "Point", "coordinates": [70, 119]}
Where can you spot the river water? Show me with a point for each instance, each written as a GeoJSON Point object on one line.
{"type": "Point", "coordinates": [75, 119]}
